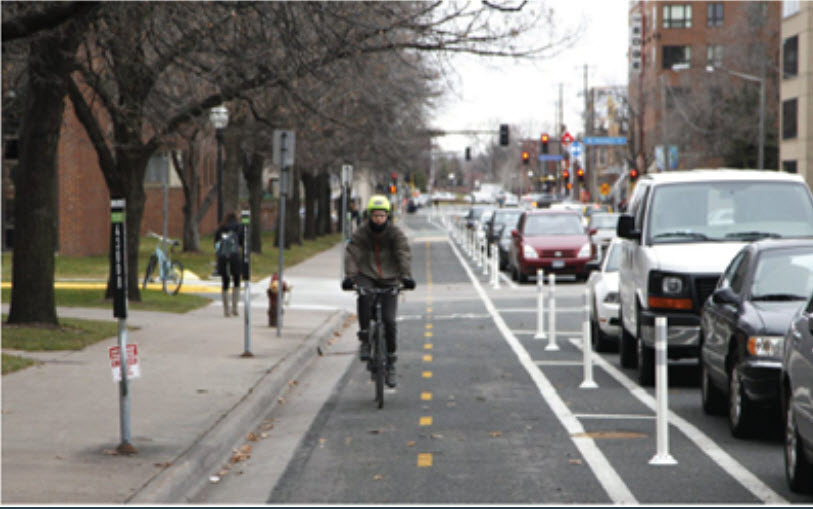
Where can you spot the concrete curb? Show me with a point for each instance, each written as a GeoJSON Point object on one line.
{"type": "Point", "coordinates": [191, 470]}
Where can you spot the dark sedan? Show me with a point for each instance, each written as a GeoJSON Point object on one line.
{"type": "Point", "coordinates": [797, 399]}
{"type": "Point", "coordinates": [498, 231]}
{"type": "Point", "coordinates": [742, 326]}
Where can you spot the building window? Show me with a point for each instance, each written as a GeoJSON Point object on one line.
{"type": "Point", "coordinates": [714, 55]}
{"type": "Point", "coordinates": [677, 16]}
{"type": "Point", "coordinates": [789, 166]}
{"type": "Point", "coordinates": [790, 57]}
{"type": "Point", "coordinates": [789, 8]}
{"type": "Point", "coordinates": [673, 55]}
{"type": "Point", "coordinates": [789, 119]}
{"type": "Point", "coordinates": [714, 15]}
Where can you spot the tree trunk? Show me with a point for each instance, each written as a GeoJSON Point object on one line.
{"type": "Point", "coordinates": [324, 225]}
{"type": "Point", "coordinates": [309, 182]}
{"type": "Point", "coordinates": [35, 179]}
{"type": "Point", "coordinates": [231, 172]}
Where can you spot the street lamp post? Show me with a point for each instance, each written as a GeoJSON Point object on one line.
{"type": "Point", "coordinates": [761, 81]}
{"type": "Point", "coordinates": [219, 116]}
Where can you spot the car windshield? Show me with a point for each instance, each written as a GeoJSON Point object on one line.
{"type": "Point", "coordinates": [714, 211]}
{"type": "Point", "coordinates": [506, 218]}
{"type": "Point", "coordinates": [604, 221]}
{"type": "Point", "coordinates": [785, 274]}
{"type": "Point", "coordinates": [553, 224]}
{"type": "Point", "coordinates": [613, 258]}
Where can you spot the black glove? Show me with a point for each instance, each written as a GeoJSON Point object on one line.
{"type": "Point", "coordinates": [409, 283]}
{"type": "Point", "coordinates": [347, 283]}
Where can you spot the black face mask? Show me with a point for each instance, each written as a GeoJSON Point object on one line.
{"type": "Point", "coordinates": [378, 228]}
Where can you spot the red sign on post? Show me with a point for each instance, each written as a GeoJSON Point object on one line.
{"type": "Point", "coordinates": [567, 138]}
{"type": "Point", "coordinates": [133, 368]}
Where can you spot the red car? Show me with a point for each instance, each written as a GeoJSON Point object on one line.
{"type": "Point", "coordinates": [551, 240]}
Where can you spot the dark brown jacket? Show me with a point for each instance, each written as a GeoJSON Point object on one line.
{"type": "Point", "coordinates": [384, 257]}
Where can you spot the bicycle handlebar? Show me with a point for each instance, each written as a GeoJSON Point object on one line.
{"type": "Point", "coordinates": [172, 242]}
{"type": "Point", "coordinates": [394, 290]}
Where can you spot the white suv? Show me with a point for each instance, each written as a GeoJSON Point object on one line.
{"type": "Point", "coordinates": [680, 232]}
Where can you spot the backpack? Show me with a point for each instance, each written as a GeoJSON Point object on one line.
{"type": "Point", "coordinates": [227, 246]}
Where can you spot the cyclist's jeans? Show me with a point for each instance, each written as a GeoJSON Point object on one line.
{"type": "Point", "coordinates": [389, 308]}
{"type": "Point", "coordinates": [233, 266]}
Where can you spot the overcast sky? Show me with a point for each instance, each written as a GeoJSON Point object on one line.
{"type": "Point", "coordinates": [488, 92]}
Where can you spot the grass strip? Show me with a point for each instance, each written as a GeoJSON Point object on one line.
{"type": "Point", "coordinates": [12, 363]}
{"type": "Point", "coordinates": [151, 300]}
{"type": "Point", "coordinates": [71, 334]}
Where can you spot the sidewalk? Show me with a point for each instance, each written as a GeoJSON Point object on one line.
{"type": "Point", "coordinates": [196, 398]}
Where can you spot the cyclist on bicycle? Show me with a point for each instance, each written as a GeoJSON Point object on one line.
{"type": "Point", "coordinates": [228, 241]}
{"type": "Point", "coordinates": [378, 255]}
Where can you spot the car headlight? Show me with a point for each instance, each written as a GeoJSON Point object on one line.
{"type": "Point", "coordinates": [611, 298]}
{"type": "Point", "coordinates": [585, 252]}
{"type": "Point", "coordinates": [669, 291]}
{"type": "Point", "coordinates": [528, 251]}
{"type": "Point", "coordinates": [765, 346]}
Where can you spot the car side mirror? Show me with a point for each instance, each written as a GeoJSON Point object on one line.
{"type": "Point", "coordinates": [725, 295]}
{"type": "Point", "coordinates": [514, 233]}
{"type": "Point", "coordinates": [626, 228]}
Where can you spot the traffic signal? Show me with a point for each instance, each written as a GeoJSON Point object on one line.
{"type": "Point", "coordinates": [504, 135]}
{"type": "Point", "coordinates": [544, 140]}
{"type": "Point", "coordinates": [526, 157]}
{"type": "Point", "coordinates": [633, 175]}
{"type": "Point", "coordinates": [580, 175]}
{"type": "Point", "coordinates": [394, 184]}
{"type": "Point", "coordinates": [565, 176]}
{"type": "Point", "coordinates": [468, 153]}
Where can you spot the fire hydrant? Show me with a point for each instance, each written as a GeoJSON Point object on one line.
{"type": "Point", "coordinates": [273, 298]}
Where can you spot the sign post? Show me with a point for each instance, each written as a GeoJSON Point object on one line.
{"type": "Point", "coordinates": [284, 158]}
{"type": "Point", "coordinates": [245, 219]}
{"type": "Point", "coordinates": [118, 273]}
{"type": "Point", "coordinates": [347, 178]}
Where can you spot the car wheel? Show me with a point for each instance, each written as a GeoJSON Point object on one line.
{"type": "Point", "coordinates": [740, 408]}
{"type": "Point", "coordinates": [626, 348]}
{"type": "Point", "coordinates": [713, 398]}
{"type": "Point", "coordinates": [600, 341]}
{"type": "Point", "coordinates": [521, 276]}
{"type": "Point", "coordinates": [646, 363]}
{"type": "Point", "coordinates": [798, 469]}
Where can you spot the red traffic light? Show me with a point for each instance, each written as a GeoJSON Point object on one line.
{"type": "Point", "coordinates": [633, 175]}
{"type": "Point", "coordinates": [565, 175]}
{"type": "Point", "coordinates": [545, 138]}
{"type": "Point", "coordinates": [394, 176]}
{"type": "Point", "coordinates": [526, 156]}
{"type": "Point", "coordinates": [580, 173]}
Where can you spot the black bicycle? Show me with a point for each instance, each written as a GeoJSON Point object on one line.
{"type": "Point", "coordinates": [377, 363]}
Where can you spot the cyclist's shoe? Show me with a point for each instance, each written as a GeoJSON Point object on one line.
{"type": "Point", "coordinates": [364, 346]}
{"type": "Point", "coordinates": [389, 377]}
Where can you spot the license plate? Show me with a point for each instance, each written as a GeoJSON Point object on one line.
{"type": "Point", "coordinates": [558, 264]}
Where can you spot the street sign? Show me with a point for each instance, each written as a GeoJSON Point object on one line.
{"type": "Point", "coordinates": [567, 138]}
{"type": "Point", "coordinates": [605, 140]}
{"type": "Point", "coordinates": [550, 157]}
{"type": "Point", "coordinates": [133, 368]}
{"type": "Point", "coordinates": [284, 148]}
{"type": "Point", "coordinates": [576, 149]}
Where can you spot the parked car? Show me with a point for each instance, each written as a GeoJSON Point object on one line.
{"type": "Point", "coordinates": [742, 326]}
{"type": "Point", "coordinates": [554, 241]}
{"type": "Point", "coordinates": [797, 399]}
{"type": "Point", "coordinates": [673, 253]}
{"type": "Point", "coordinates": [498, 230]}
{"type": "Point", "coordinates": [474, 214]}
{"type": "Point", "coordinates": [605, 224]}
{"type": "Point", "coordinates": [602, 286]}
{"type": "Point", "coordinates": [536, 200]}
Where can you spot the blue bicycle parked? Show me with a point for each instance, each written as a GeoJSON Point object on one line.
{"type": "Point", "coordinates": [170, 271]}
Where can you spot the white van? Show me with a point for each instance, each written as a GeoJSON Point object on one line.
{"type": "Point", "coordinates": [680, 232]}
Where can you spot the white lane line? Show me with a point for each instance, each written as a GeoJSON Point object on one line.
{"type": "Point", "coordinates": [557, 363]}
{"type": "Point", "coordinates": [609, 479]}
{"type": "Point", "coordinates": [734, 468]}
{"type": "Point", "coordinates": [614, 416]}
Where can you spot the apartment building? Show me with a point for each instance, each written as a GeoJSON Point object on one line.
{"type": "Point", "coordinates": [696, 71]}
{"type": "Point", "coordinates": [796, 90]}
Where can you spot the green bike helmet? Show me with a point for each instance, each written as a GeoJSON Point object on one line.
{"type": "Point", "coordinates": [378, 202]}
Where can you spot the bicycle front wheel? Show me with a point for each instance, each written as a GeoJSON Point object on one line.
{"type": "Point", "coordinates": [150, 268]}
{"type": "Point", "coordinates": [380, 357]}
{"type": "Point", "coordinates": [174, 278]}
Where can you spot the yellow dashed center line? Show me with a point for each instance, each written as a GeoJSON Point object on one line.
{"type": "Point", "coordinates": [428, 325]}
{"type": "Point", "coordinates": [427, 346]}
{"type": "Point", "coordinates": [428, 334]}
{"type": "Point", "coordinates": [425, 421]}
{"type": "Point", "coordinates": [426, 396]}
{"type": "Point", "coordinates": [425, 459]}
{"type": "Point", "coordinates": [427, 357]}
{"type": "Point", "coordinates": [428, 310]}
{"type": "Point", "coordinates": [426, 374]}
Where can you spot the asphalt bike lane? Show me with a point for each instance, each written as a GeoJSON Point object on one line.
{"type": "Point", "coordinates": [616, 421]}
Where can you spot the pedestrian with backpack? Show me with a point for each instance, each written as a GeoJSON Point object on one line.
{"type": "Point", "coordinates": [228, 241]}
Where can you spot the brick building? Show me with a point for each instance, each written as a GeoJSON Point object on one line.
{"type": "Point", "coordinates": [796, 90]}
{"type": "Point", "coordinates": [673, 46]}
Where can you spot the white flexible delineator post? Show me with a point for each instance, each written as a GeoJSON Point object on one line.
{"type": "Point", "coordinates": [662, 456]}
{"type": "Point", "coordinates": [587, 346]}
{"type": "Point", "coordinates": [540, 305]}
{"type": "Point", "coordinates": [552, 346]}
